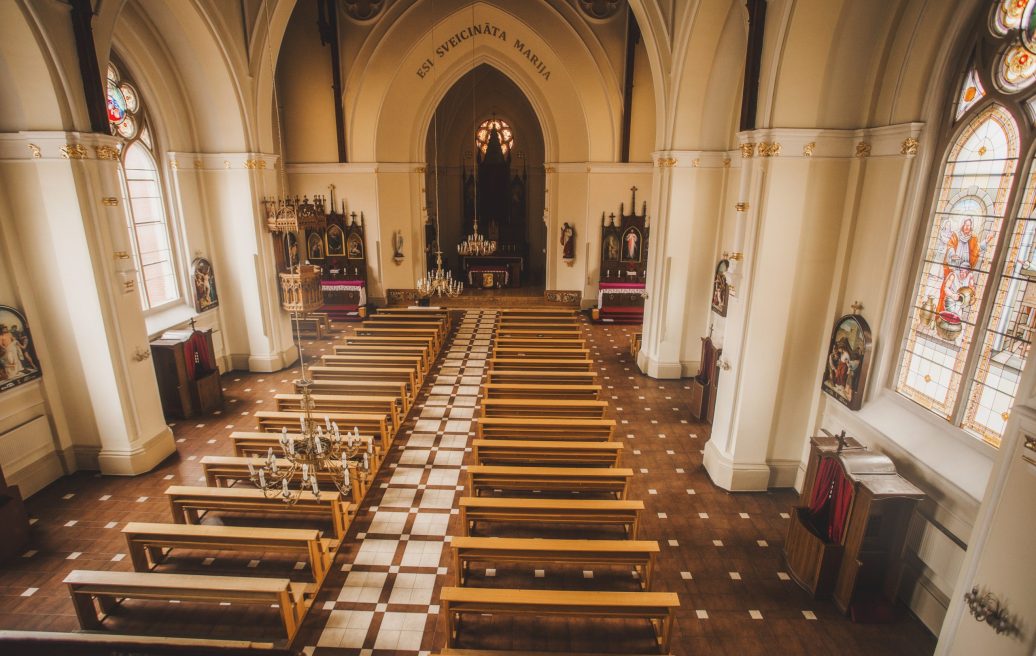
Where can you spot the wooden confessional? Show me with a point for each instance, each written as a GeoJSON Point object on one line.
{"type": "Point", "coordinates": [188, 378]}
{"type": "Point", "coordinates": [703, 386]}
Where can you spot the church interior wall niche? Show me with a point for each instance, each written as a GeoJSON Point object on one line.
{"type": "Point", "coordinates": [623, 271]}
{"type": "Point", "coordinates": [205, 295]}
{"type": "Point", "coordinates": [721, 289]}
{"type": "Point", "coordinates": [18, 362]}
{"type": "Point", "coordinates": [848, 361]}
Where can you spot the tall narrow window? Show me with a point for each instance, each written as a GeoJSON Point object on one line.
{"type": "Point", "coordinates": [142, 189]}
{"type": "Point", "coordinates": [973, 309]}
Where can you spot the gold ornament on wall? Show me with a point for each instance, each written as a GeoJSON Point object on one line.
{"type": "Point", "coordinates": [909, 146]}
{"type": "Point", "coordinates": [807, 150]}
{"type": "Point", "coordinates": [863, 149]}
{"type": "Point", "coordinates": [107, 152]}
{"type": "Point", "coordinates": [769, 149]}
{"type": "Point", "coordinates": [110, 201]}
{"type": "Point", "coordinates": [255, 164]}
{"type": "Point", "coordinates": [726, 162]}
{"type": "Point", "coordinates": [696, 162]}
{"type": "Point", "coordinates": [747, 150]}
{"type": "Point", "coordinates": [199, 163]}
{"type": "Point", "coordinates": [73, 151]}
{"type": "Point", "coordinates": [35, 150]}
{"type": "Point", "coordinates": [666, 162]}
{"type": "Point", "coordinates": [174, 165]}
{"type": "Point", "coordinates": [741, 207]}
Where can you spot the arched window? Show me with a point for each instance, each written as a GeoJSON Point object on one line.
{"type": "Point", "coordinates": [973, 311]}
{"type": "Point", "coordinates": [142, 190]}
{"type": "Point", "coordinates": [503, 131]}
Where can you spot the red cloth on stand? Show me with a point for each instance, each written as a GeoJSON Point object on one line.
{"type": "Point", "coordinates": [841, 501]}
{"type": "Point", "coordinates": [197, 347]}
{"type": "Point", "coordinates": [822, 485]}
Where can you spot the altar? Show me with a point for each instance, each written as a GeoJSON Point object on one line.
{"type": "Point", "coordinates": [502, 270]}
{"type": "Point", "coordinates": [624, 250]}
{"type": "Point", "coordinates": [344, 297]}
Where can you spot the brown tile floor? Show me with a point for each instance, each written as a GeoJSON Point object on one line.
{"type": "Point", "coordinates": [722, 588]}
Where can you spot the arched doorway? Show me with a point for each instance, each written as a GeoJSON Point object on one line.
{"type": "Point", "coordinates": [498, 179]}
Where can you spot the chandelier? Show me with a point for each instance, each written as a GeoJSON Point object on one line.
{"type": "Point", "coordinates": [476, 244]}
{"type": "Point", "coordinates": [318, 454]}
{"type": "Point", "coordinates": [439, 282]}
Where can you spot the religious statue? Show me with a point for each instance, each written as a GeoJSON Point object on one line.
{"type": "Point", "coordinates": [397, 246]}
{"type": "Point", "coordinates": [568, 242]}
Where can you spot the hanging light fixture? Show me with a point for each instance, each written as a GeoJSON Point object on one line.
{"type": "Point", "coordinates": [475, 243]}
{"type": "Point", "coordinates": [438, 281]}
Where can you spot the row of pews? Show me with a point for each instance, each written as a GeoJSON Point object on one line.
{"type": "Point", "coordinates": [544, 456]}
{"type": "Point", "coordinates": [369, 384]}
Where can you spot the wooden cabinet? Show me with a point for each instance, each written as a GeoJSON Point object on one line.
{"type": "Point", "coordinates": [188, 380]}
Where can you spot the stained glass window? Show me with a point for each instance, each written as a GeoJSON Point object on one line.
{"type": "Point", "coordinates": [142, 190]}
{"type": "Point", "coordinates": [973, 309]}
{"type": "Point", "coordinates": [503, 132]}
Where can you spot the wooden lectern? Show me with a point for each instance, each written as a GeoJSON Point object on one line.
{"type": "Point", "coordinates": [188, 380]}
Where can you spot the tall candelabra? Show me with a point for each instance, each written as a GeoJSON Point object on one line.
{"type": "Point", "coordinates": [476, 244]}
{"type": "Point", "coordinates": [439, 282]}
{"type": "Point", "coordinates": [318, 453]}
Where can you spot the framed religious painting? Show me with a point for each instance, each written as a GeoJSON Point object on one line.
{"type": "Point", "coordinates": [630, 245]}
{"type": "Point", "coordinates": [848, 361]}
{"type": "Point", "coordinates": [315, 246]}
{"type": "Point", "coordinates": [205, 296]}
{"type": "Point", "coordinates": [720, 289]}
{"type": "Point", "coordinates": [18, 362]}
{"type": "Point", "coordinates": [335, 240]}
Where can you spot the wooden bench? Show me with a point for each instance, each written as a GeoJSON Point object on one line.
{"type": "Point", "coordinates": [540, 353]}
{"type": "Point", "coordinates": [635, 341]}
{"type": "Point", "coordinates": [638, 554]}
{"type": "Point", "coordinates": [523, 428]}
{"type": "Point", "coordinates": [251, 443]}
{"type": "Point", "coordinates": [416, 311]}
{"type": "Point", "coordinates": [529, 364]}
{"type": "Point", "coordinates": [149, 544]}
{"type": "Point", "coordinates": [563, 408]}
{"type": "Point", "coordinates": [539, 343]}
{"type": "Point", "coordinates": [386, 389]}
{"type": "Point", "coordinates": [657, 607]}
{"type": "Point", "coordinates": [526, 377]}
{"type": "Point", "coordinates": [378, 340]}
{"type": "Point", "coordinates": [374, 349]}
{"type": "Point", "coordinates": [187, 502]}
{"type": "Point", "coordinates": [591, 480]}
{"type": "Point", "coordinates": [376, 425]}
{"type": "Point", "coordinates": [523, 391]}
{"type": "Point", "coordinates": [313, 325]}
{"type": "Point", "coordinates": [546, 453]}
{"type": "Point", "coordinates": [407, 377]}
{"type": "Point", "coordinates": [386, 321]}
{"type": "Point", "coordinates": [538, 312]}
{"type": "Point", "coordinates": [292, 599]}
{"type": "Point", "coordinates": [542, 333]}
{"type": "Point", "coordinates": [223, 471]}
{"type": "Point", "coordinates": [383, 405]}
{"type": "Point", "coordinates": [534, 513]}
{"type": "Point", "coordinates": [428, 336]}
{"type": "Point", "coordinates": [398, 361]}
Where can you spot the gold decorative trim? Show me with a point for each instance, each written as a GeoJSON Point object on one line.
{"type": "Point", "coordinates": [110, 201]}
{"type": "Point", "coordinates": [420, 169]}
{"type": "Point", "coordinates": [1030, 446]}
{"type": "Point", "coordinates": [549, 169]}
{"type": "Point", "coordinates": [226, 163]}
{"type": "Point", "coordinates": [769, 149]}
{"type": "Point", "coordinates": [107, 152]}
{"type": "Point", "coordinates": [747, 150]}
{"type": "Point", "coordinates": [909, 146]}
{"type": "Point", "coordinates": [741, 207]}
{"type": "Point", "coordinates": [199, 163]}
{"type": "Point", "coordinates": [733, 255]}
{"type": "Point", "coordinates": [696, 162]}
{"type": "Point", "coordinates": [255, 163]}
{"type": "Point", "coordinates": [73, 151]}
{"type": "Point", "coordinates": [726, 162]}
{"type": "Point", "coordinates": [174, 165]}
{"type": "Point", "coordinates": [35, 150]}
{"type": "Point", "coordinates": [120, 255]}
{"type": "Point", "coordinates": [667, 162]}
{"type": "Point", "coordinates": [863, 149]}
{"type": "Point", "coordinates": [808, 149]}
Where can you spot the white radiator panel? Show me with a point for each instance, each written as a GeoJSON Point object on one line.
{"type": "Point", "coordinates": [28, 457]}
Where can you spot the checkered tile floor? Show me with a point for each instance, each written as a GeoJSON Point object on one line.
{"type": "Point", "coordinates": [394, 564]}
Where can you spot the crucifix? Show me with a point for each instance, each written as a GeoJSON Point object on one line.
{"type": "Point", "coordinates": [856, 307]}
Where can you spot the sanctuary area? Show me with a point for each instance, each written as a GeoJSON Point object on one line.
{"type": "Point", "coordinates": [501, 327]}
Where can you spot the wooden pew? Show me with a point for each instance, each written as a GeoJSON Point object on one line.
{"type": "Point", "coordinates": [592, 480]}
{"type": "Point", "coordinates": [440, 312]}
{"type": "Point", "coordinates": [222, 471]}
{"type": "Point", "coordinates": [429, 323]}
{"type": "Point", "coordinates": [519, 391]}
{"type": "Point", "coordinates": [539, 343]}
{"type": "Point", "coordinates": [523, 428]}
{"type": "Point", "coordinates": [534, 513]}
{"type": "Point", "coordinates": [398, 361]}
{"type": "Point", "coordinates": [516, 319]}
{"type": "Point", "coordinates": [149, 544]}
{"type": "Point", "coordinates": [313, 325]}
{"type": "Point", "coordinates": [657, 607]}
{"type": "Point", "coordinates": [538, 312]}
{"type": "Point", "coordinates": [529, 364]}
{"type": "Point", "coordinates": [292, 599]}
{"type": "Point", "coordinates": [527, 377]}
{"type": "Point", "coordinates": [544, 408]}
{"type": "Point", "coordinates": [248, 443]}
{"type": "Point", "coordinates": [546, 453]}
{"type": "Point", "coordinates": [385, 405]}
{"type": "Point", "coordinates": [541, 353]}
{"type": "Point", "coordinates": [187, 501]}
{"type": "Point", "coordinates": [428, 336]}
{"type": "Point", "coordinates": [272, 421]}
{"type": "Point", "coordinates": [638, 554]}
{"type": "Point", "coordinates": [405, 376]}
{"type": "Point", "coordinates": [374, 349]}
{"type": "Point", "coordinates": [544, 333]}
{"type": "Point", "coordinates": [386, 388]}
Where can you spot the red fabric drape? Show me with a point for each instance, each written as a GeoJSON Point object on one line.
{"type": "Point", "coordinates": [840, 503]}
{"type": "Point", "coordinates": [197, 348]}
{"type": "Point", "coordinates": [822, 484]}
